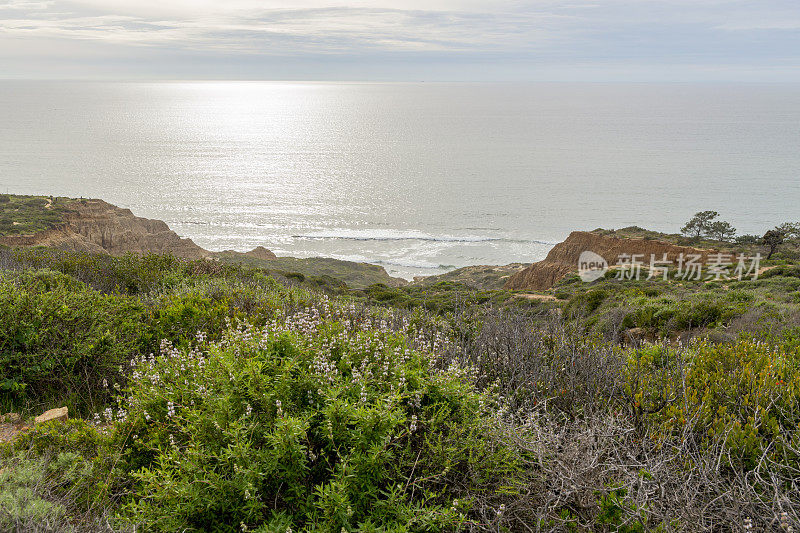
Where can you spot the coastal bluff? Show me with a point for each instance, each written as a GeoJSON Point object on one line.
{"type": "Point", "coordinates": [563, 258]}
{"type": "Point", "coordinates": [96, 226]}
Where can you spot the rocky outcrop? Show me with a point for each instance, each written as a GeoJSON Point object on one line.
{"type": "Point", "coordinates": [59, 413]}
{"type": "Point", "coordinates": [563, 258]}
{"type": "Point", "coordinates": [259, 252]}
{"type": "Point", "coordinates": [99, 227]}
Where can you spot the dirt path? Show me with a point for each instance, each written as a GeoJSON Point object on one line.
{"type": "Point", "coordinates": [542, 297]}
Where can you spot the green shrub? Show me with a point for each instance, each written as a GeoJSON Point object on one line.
{"type": "Point", "coordinates": [613, 511]}
{"type": "Point", "coordinates": [586, 303]}
{"type": "Point", "coordinates": [296, 276]}
{"type": "Point", "coordinates": [61, 339]}
{"type": "Point", "coordinates": [55, 477]}
{"type": "Point", "coordinates": [703, 313]}
{"type": "Point", "coordinates": [666, 315]}
{"type": "Point", "coordinates": [178, 318]}
{"type": "Point", "coordinates": [740, 296]}
{"type": "Point", "coordinates": [52, 438]}
{"type": "Point", "coordinates": [310, 425]}
{"type": "Point", "coordinates": [746, 395]}
{"type": "Point", "coordinates": [21, 504]}
{"type": "Point", "coordinates": [781, 271]}
{"type": "Point", "coordinates": [210, 305]}
{"type": "Point", "coordinates": [35, 202]}
{"type": "Point", "coordinates": [129, 274]}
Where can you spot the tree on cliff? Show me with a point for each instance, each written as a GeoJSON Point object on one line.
{"type": "Point", "coordinates": [773, 238]}
{"type": "Point", "coordinates": [722, 231]}
{"type": "Point", "coordinates": [699, 224]}
{"type": "Point", "coordinates": [790, 230]}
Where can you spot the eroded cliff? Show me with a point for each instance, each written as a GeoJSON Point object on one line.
{"type": "Point", "coordinates": [563, 258]}
{"type": "Point", "coordinates": [99, 227]}
{"type": "Point", "coordinates": [96, 226]}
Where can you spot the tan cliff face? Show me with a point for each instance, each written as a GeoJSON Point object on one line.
{"type": "Point", "coordinates": [99, 227]}
{"type": "Point", "coordinates": [96, 226]}
{"type": "Point", "coordinates": [563, 258]}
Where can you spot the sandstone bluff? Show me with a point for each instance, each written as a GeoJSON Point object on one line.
{"type": "Point", "coordinates": [99, 227]}
{"type": "Point", "coordinates": [95, 226]}
{"type": "Point", "coordinates": [563, 258]}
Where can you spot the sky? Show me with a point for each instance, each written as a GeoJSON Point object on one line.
{"type": "Point", "coordinates": [403, 40]}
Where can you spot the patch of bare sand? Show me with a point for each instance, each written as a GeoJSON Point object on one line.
{"type": "Point", "coordinates": [541, 297]}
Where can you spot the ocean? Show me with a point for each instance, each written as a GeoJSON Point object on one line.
{"type": "Point", "coordinates": [420, 178]}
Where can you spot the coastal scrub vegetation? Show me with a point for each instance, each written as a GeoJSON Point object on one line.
{"type": "Point", "coordinates": [704, 225]}
{"type": "Point", "coordinates": [26, 215]}
{"type": "Point", "coordinates": [701, 232]}
{"type": "Point", "coordinates": [212, 397]}
{"type": "Point", "coordinates": [768, 307]}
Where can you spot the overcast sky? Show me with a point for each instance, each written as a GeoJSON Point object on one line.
{"type": "Point", "coordinates": [601, 40]}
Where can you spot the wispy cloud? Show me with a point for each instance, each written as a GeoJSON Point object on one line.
{"type": "Point", "coordinates": [325, 30]}
{"type": "Point", "coordinates": [724, 33]}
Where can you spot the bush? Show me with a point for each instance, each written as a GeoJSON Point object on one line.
{"type": "Point", "coordinates": [20, 501]}
{"type": "Point", "coordinates": [586, 303]}
{"type": "Point", "coordinates": [296, 276]}
{"type": "Point", "coordinates": [61, 339]}
{"type": "Point", "coordinates": [665, 315]}
{"type": "Point", "coordinates": [129, 274]}
{"type": "Point", "coordinates": [781, 271]}
{"type": "Point", "coordinates": [35, 202]}
{"type": "Point", "coordinates": [745, 396]}
{"type": "Point", "coordinates": [307, 424]}
{"type": "Point", "coordinates": [178, 318]}
{"type": "Point", "coordinates": [54, 478]}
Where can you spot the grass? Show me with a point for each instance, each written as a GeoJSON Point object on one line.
{"type": "Point", "coordinates": [26, 215]}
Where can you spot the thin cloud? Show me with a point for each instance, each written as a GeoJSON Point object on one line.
{"type": "Point", "coordinates": [322, 30]}
{"type": "Point", "coordinates": [716, 33]}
